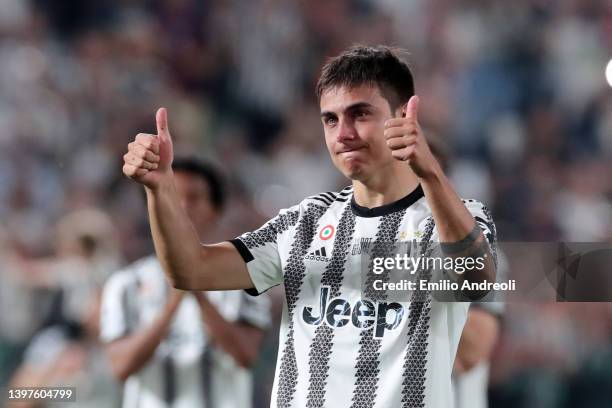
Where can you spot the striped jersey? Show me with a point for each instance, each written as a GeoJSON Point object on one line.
{"type": "Point", "coordinates": [340, 347]}
{"type": "Point", "coordinates": [187, 370]}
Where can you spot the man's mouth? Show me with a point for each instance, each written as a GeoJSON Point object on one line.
{"type": "Point", "coordinates": [350, 149]}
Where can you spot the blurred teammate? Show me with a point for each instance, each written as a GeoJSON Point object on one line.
{"type": "Point", "coordinates": [471, 371]}
{"type": "Point", "coordinates": [471, 368]}
{"type": "Point", "coordinates": [339, 346]}
{"type": "Point", "coordinates": [66, 351]}
{"type": "Point", "coordinates": [182, 349]}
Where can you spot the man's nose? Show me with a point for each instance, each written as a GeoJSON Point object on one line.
{"type": "Point", "coordinates": [346, 131]}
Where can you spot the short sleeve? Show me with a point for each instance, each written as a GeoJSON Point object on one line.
{"type": "Point", "coordinates": [484, 219]}
{"type": "Point", "coordinates": [260, 249]}
{"type": "Point", "coordinates": [113, 313]}
{"type": "Point", "coordinates": [493, 303]}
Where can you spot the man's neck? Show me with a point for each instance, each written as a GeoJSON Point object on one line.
{"type": "Point", "coordinates": [385, 187]}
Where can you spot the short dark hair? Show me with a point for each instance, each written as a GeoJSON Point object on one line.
{"type": "Point", "coordinates": [369, 65]}
{"type": "Point", "coordinates": [208, 173]}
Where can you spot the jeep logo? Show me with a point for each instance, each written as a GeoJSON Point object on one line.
{"type": "Point", "coordinates": [365, 314]}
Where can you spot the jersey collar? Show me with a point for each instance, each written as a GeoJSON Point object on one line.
{"type": "Point", "coordinates": [398, 205]}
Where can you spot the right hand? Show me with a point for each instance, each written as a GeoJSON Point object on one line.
{"type": "Point", "coordinates": [149, 157]}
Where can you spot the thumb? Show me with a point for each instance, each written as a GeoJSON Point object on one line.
{"type": "Point", "coordinates": [162, 124]}
{"type": "Point", "coordinates": [412, 108]}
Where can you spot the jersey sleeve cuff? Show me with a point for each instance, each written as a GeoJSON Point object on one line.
{"type": "Point", "coordinates": [244, 252]}
{"type": "Point", "coordinates": [247, 257]}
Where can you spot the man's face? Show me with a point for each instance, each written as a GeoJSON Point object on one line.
{"type": "Point", "coordinates": [194, 196]}
{"type": "Point", "coordinates": [353, 122]}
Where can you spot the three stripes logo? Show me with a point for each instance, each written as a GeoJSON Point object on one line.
{"type": "Point", "coordinates": [318, 255]}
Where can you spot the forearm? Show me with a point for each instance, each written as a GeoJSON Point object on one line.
{"type": "Point", "coordinates": [477, 340]}
{"type": "Point", "coordinates": [129, 354]}
{"type": "Point", "coordinates": [453, 220]}
{"type": "Point", "coordinates": [177, 244]}
{"type": "Point", "coordinates": [238, 340]}
{"type": "Point", "coordinates": [454, 223]}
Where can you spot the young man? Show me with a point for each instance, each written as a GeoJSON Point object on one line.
{"type": "Point", "coordinates": [338, 345]}
{"type": "Point", "coordinates": [179, 349]}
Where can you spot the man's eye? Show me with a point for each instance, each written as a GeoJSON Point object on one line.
{"type": "Point", "coordinates": [361, 114]}
{"type": "Point", "coordinates": [331, 121]}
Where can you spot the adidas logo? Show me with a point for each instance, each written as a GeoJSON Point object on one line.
{"type": "Point", "coordinates": [318, 255]}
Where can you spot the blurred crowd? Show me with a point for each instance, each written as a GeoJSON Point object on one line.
{"type": "Point", "coordinates": [515, 89]}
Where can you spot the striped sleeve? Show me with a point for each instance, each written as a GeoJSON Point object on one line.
{"type": "Point", "coordinates": [260, 250]}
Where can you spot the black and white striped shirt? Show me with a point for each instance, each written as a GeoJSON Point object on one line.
{"type": "Point", "coordinates": [186, 370]}
{"type": "Point", "coordinates": [332, 351]}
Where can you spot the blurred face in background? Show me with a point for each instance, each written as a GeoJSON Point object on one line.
{"type": "Point", "coordinates": [353, 123]}
{"type": "Point", "coordinates": [194, 195]}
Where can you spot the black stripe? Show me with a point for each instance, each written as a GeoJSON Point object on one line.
{"type": "Point", "coordinates": [169, 379]}
{"type": "Point", "coordinates": [295, 271]}
{"type": "Point", "coordinates": [130, 311]}
{"type": "Point", "coordinates": [206, 372]}
{"type": "Point", "coordinates": [368, 359]}
{"type": "Point", "coordinates": [323, 252]}
{"type": "Point", "coordinates": [321, 199]}
{"type": "Point", "coordinates": [345, 193]}
{"type": "Point", "coordinates": [415, 358]}
{"type": "Point", "coordinates": [342, 200]}
{"type": "Point", "coordinates": [330, 195]}
{"type": "Point", "coordinates": [244, 252]}
{"type": "Point", "coordinates": [322, 344]}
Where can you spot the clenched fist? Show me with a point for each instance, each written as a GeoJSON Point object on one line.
{"type": "Point", "coordinates": [149, 157]}
{"type": "Point", "coordinates": [407, 142]}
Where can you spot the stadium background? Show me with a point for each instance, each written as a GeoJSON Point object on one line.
{"type": "Point", "coordinates": [517, 89]}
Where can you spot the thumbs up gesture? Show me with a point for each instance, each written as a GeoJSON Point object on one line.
{"type": "Point", "coordinates": [407, 143]}
{"type": "Point", "coordinates": [149, 157]}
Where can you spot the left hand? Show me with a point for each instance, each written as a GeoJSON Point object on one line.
{"type": "Point", "coordinates": [407, 143]}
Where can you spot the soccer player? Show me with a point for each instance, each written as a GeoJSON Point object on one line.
{"type": "Point", "coordinates": [470, 378]}
{"type": "Point", "coordinates": [175, 348]}
{"type": "Point", "coordinates": [340, 346]}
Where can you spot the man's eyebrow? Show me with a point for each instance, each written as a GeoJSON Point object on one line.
{"type": "Point", "coordinates": [355, 106]}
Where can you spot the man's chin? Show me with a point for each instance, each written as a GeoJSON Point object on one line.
{"type": "Point", "coordinates": [353, 172]}
{"type": "Point", "coordinates": [351, 169]}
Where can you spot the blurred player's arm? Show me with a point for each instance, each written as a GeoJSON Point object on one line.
{"type": "Point", "coordinates": [477, 340]}
{"type": "Point", "coordinates": [188, 264]}
{"type": "Point", "coordinates": [128, 354]}
{"type": "Point", "coordinates": [240, 340]}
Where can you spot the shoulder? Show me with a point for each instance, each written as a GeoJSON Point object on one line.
{"type": "Point", "coordinates": [319, 202]}
{"type": "Point", "coordinates": [482, 214]}
{"type": "Point", "coordinates": [328, 199]}
{"type": "Point", "coordinates": [473, 204]}
{"type": "Point", "coordinates": [130, 274]}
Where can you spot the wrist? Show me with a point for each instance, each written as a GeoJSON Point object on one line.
{"type": "Point", "coordinates": [435, 175]}
{"type": "Point", "coordinates": [164, 185]}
